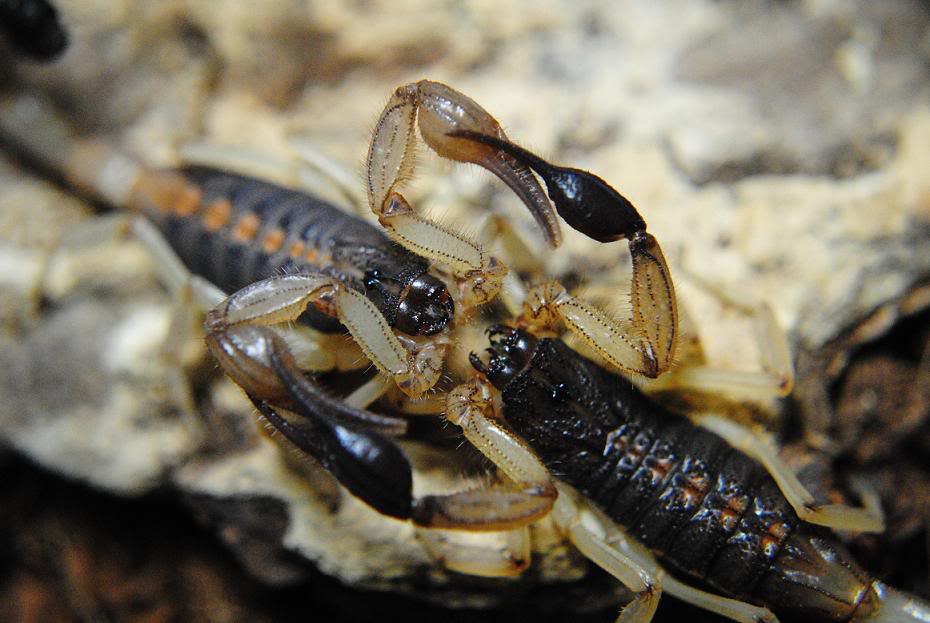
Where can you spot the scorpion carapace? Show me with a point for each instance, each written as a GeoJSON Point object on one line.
{"type": "Point", "coordinates": [708, 512]}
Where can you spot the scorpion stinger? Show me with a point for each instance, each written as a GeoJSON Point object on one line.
{"type": "Point", "coordinates": [644, 344]}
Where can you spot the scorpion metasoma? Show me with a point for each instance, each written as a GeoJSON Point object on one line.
{"type": "Point", "coordinates": [652, 497]}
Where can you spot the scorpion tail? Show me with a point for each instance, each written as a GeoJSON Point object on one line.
{"type": "Point", "coordinates": [884, 604]}
{"type": "Point", "coordinates": [31, 126]}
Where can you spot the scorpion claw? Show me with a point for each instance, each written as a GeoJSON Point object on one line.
{"type": "Point", "coordinates": [586, 202]}
{"type": "Point", "coordinates": [311, 399]}
{"type": "Point", "coordinates": [371, 467]}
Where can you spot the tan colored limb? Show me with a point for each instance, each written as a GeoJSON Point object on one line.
{"type": "Point", "coordinates": [775, 377]}
{"type": "Point", "coordinates": [368, 392]}
{"type": "Point", "coordinates": [729, 608]}
{"type": "Point", "coordinates": [442, 111]}
{"type": "Point", "coordinates": [438, 111]}
{"type": "Point", "coordinates": [415, 364]}
{"type": "Point", "coordinates": [636, 570]}
{"type": "Point", "coordinates": [470, 407]}
{"type": "Point", "coordinates": [305, 168]}
{"type": "Point", "coordinates": [490, 555]}
{"type": "Point", "coordinates": [497, 232]}
{"type": "Point", "coordinates": [760, 447]}
{"type": "Point", "coordinates": [629, 344]}
{"type": "Point", "coordinates": [527, 497]}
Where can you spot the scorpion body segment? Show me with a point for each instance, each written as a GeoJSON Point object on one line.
{"type": "Point", "coordinates": [707, 511]}
{"type": "Point", "coordinates": [234, 231]}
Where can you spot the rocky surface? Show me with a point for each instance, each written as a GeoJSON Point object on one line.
{"type": "Point", "coordinates": [777, 150]}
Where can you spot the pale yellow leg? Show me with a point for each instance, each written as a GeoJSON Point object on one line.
{"type": "Point", "coordinates": [760, 447]}
{"type": "Point", "coordinates": [492, 554]}
{"type": "Point", "coordinates": [305, 170]}
{"type": "Point", "coordinates": [635, 569]}
{"type": "Point", "coordinates": [775, 377]}
{"type": "Point", "coordinates": [368, 392]}
{"type": "Point", "coordinates": [729, 608]}
{"type": "Point", "coordinates": [415, 364]}
{"type": "Point", "coordinates": [632, 344]}
{"type": "Point", "coordinates": [438, 111]}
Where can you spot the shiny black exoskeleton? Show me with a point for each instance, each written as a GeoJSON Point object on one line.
{"type": "Point", "coordinates": [34, 28]}
{"type": "Point", "coordinates": [709, 513]}
{"type": "Point", "coordinates": [329, 241]}
{"type": "Point", "coordinates": [586, 202]}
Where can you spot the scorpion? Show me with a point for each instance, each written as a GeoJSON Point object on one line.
{"type": "Point", "coordinates": [651, 496]}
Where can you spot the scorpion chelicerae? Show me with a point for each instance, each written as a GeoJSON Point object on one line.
{"type": "Point", "coordinates": [632, 484]}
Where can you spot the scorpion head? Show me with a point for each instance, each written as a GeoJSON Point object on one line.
{"type": "Point", "coordinates": [421, 307]}
{"type": "Point", "coordinates": [510, 352]}
{"type": "Point", "coordinates": [425, 306]}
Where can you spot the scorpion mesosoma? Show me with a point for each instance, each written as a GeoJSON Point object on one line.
{"type": "Point", "coordinates": [382, 286]}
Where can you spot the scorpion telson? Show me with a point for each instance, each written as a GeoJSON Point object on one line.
{"type": "Point", "coordinates": [670, 496]}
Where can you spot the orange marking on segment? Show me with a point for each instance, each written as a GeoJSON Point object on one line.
{"type": "Point", "coordinates": [187, 202]}
{"type": "Point", "coordinates": [776, 533]}
{"type": "Point", "coordinates": [730, 514]}
{"type": "Point", "coordinates": [246, 228]}
{"type": "Point", "coordinates": [273, 241]}
{"type": "Point", "coordinates": [728, 519]}
{"type": "Point", "coordinates": [167, 192]}
{"type": "Point", "coordinates": [217, 214]}
{"type": "Point", "coordinates": [659, 469]}
{"type": "Point", "coordinates": [778, 530]}
{"type": "Point", "coordinates": [297, 248]}
{"type": "Point", "coordinates": [313, 255]}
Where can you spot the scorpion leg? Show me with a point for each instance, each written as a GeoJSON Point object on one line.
{"type": "Point", "coordinates": [414, 364]}
{"type": "Point", "coordinates": [588, 532]}
{"type": "Point", "coordinates": [776, 377]}
{"type": "Point", "coordinates": [493, 554]}
{"type": "Point", "coordinates": [761, 448]}
{"type": "Point", "coordinates": [644, 344]}
{"type": "Point", "coordinates": [606, 544]}
{"type": "Point", "coordinates": [528, 497]}
{"type": "Point", "coordinates": [305, 168]}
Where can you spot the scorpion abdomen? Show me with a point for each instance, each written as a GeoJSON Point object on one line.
{"type": "Point", "coordinates": [710, 513]}
{"type": "Point", "coordinates": [234, 231]}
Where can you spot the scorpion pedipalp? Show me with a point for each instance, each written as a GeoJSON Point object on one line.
{"type": "Point", "coordinates": [371, 467]}
{"type": "Point", "coordinates": [586, 202]}
{"type": "Point", "coordinates": [644, 344]}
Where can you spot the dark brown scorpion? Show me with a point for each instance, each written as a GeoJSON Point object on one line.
{"type": "Point", "coordinates": [654, 498]}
